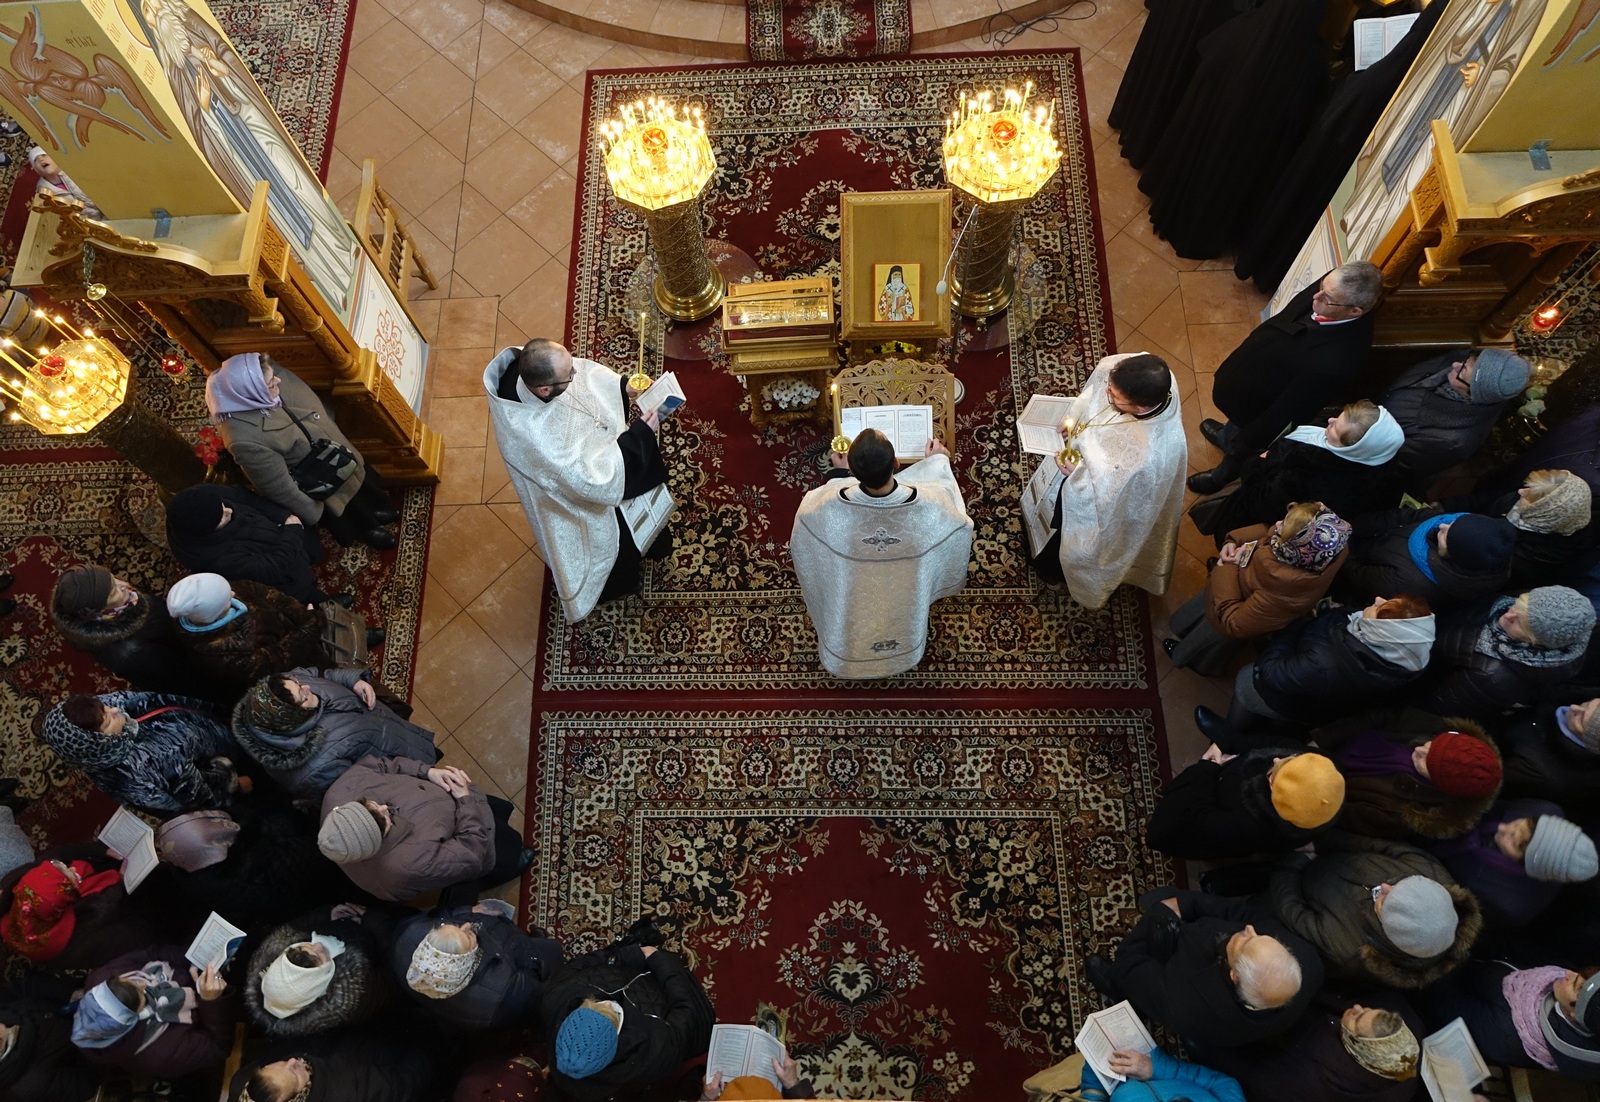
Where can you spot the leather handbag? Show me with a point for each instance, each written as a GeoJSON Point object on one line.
{"type": "Point", "coordinates": [325, 468]}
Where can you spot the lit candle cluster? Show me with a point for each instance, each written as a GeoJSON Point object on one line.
{"type": "Point", "coordinates": [999, 153]}
{"type": "Point", "coordinates": [69, 388]}
{"type": "Point", "coordinates": [657, 155]}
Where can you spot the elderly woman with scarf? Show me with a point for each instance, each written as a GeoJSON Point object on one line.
{"type": "Point", "coordinates": [473, 968]}
{"type": "Point", "coordinates": [1319, 668]}
{"type": "Point", "coordinates": [1448, 559]}
{"type": "Point", "coordinates": [1342, 464]}
{"type": "Point", "coordinates": [1411, 775]}
{"type": "Point", "coordinates": [1265, 579]}
{"type": "Point", "coordinates": [236, 634]}
{"type": "Point", "coordinates": [1552, 751]}
{"type": "Point", "coordinates": [323, 972]}
{"type": "Point", "coordinates": [152, 1013]}
{"type": "Point", "coordinates": [160, 753]}
{"type": "Point", "coordinates": [124, 629]}
{"type": "Point", "coordinates": [43, 916]}
{"type": "Point", "coordinates": [271, 421]}
{"type": "Point", "coordinates": [1556, 531]}
{"type": "Point", "coordinates": [1341, 1050]}
{"type": "Point", "coordinates": [1447, 405]}
{"type": "Point", "coordinates": [1516, 859]}
{"type": "Point", "coordinates": [1492, 658]}
{"type": "Point", "coordinates": [1545, 1017]}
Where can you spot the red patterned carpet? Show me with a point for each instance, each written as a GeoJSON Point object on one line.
{"type": "Point", "coordinates": [62, 502]}
{"type": "Point", "coordinates": [911, 870]}
{"type": "Point", "coordinates": [809, 30]}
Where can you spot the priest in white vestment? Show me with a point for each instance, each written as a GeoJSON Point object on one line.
{"type": "Point", "coordinates": [563, 430]}
{"type": "Point", "coordinates": [873, 551]}
{"type": "Point", "coordinates": [1106, 511]}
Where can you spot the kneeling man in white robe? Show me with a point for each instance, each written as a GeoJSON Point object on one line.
{"type": "Point", "coordinates": [1106, 510]}
{"type": "Point", "coordinates": [562, 426]}
{"type": "Point", "coordinates": [873, 551]}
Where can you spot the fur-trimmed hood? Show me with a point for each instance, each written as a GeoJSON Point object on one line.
{"type": "Point", "coordinates": [361, 988]}
{"type": "Point", "coordinates": [93, 635]}
{"type": "Point", "coordinates": [278, 750]}
{"type": "Point", "coordinates": [1393, 969]}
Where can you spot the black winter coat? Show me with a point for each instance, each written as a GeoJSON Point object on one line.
{"type": "Point", "coordinates": [1315, 669]}
{"type": "Point", "coordinates": [1288, 369]}
{"type": "Point", "coordinates": [1462, 681]}
{"type": "Point", "coordinates": [43, 1065]}
{"type": "Point", "coordinates": [1172, 968]}
{"type": "Point", "coordinates": [666, 1018]}
{"type": "Point", "coordinates": [1212, 811]}
{"type": "Point", "coordinates": [505, 987]}
{"type": "Point", "coordinates": [1542, 762]}
{"type": "Point", "coordinates": [1310, 1062]}
{"type": "Point", "coordinates": [203, 1043]}
{"type": "Point", "coordinates": [277, 633]}
{"type": "Point", "coordinates": [255, 545]}
{"type": "Point", "coordinates": [1440, 431]}
{"type": "Point", "coordinates": [1540, 558]}
{"type": "Point", "coordinates": [1295, 471]}
{"type": "Point", "coordinates": [1328, 901]}
{"type": "Point", "coordinates": [1381, 565]}
{"type": "Point", "coordinates": [307, 760]}
{"type": "Point", "coordinates": [140, 645]}
{"type": "Point", "coordinates": [361, 988]}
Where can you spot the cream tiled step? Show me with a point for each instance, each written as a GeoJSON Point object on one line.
{"type": "Point", "coordinates": [715, 28]}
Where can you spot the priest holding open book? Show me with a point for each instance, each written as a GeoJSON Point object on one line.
{"type": "Point", "coordinates": [873, 551]}
{"type": "Point", "coordinates": [1105, 508]}
{"type": "Point", "coordinates": [593, 485]}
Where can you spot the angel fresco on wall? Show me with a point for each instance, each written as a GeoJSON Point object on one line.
{"type": "Point", "coordinates": [42, 72]}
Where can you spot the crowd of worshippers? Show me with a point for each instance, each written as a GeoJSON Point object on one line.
{"type": "Point", "coordinates": [1397, 812]}
{"type": "Point", "coordinates": [296, 800]}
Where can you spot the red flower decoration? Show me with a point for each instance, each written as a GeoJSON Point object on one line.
{"type": "Point", "coordinates": [52, 365]}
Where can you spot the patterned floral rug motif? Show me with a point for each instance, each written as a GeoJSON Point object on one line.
{"type": "Point", "coordinates": [914, 891]}
{"type": "Point", "coordinates": [808, 30]}
{"type": "Point", "coordinates": [724, 610]}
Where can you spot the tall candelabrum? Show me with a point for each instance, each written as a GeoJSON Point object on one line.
{"type": "Point", "coordinates": [997, 157]}
{"type": "Point", "coordinates": [657, 161]}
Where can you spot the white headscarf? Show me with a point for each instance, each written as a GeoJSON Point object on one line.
{"type": "Point", "coordinates": [1375, 448]}
{"type": "Point", "coordinates": [1403, 643]}
{"type": "Point", "coordinates": [287, 988]}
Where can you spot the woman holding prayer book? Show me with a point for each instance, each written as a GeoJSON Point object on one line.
{"type": "Point", "coordinates": [1164, 1077]}
{"type": "Point", "coordinates": [1545, 1017]}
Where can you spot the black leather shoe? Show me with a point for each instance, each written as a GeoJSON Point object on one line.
{"type": "Point", "coordinates": [1206, 483]}
{"type": "Point", "coordinates": [1211, 429]}
{"type": "Point", "coordinates": [378, 539]}
{"type": "Point", "coordinates": [1169, 645]}
{"type": "Point", "coordinates": [1217, 729]}
{"type": "Point", "coordinates": [1098, 969]}
{"type": "Point", "coordinates": [8, 605]}
{"type": "Point", "coordinates": [375, 638]}
{"type": "Point", "coordinates": [7, 580]}
{"type": "Point", "coordinates": [387, 515]}
{"type": "Point", "coordinates": [524, 861]}
{"type": "Point", "coordinates": [344, 600]}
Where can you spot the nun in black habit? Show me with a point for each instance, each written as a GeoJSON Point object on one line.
{"type": "Point", "coordinates": [1273, 237]}
{"type": "Point", "coordinates": [1259, 84]}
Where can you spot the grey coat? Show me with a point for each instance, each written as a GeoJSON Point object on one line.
{"type": "Point", "coordinates": [266, 444]}
{"type": "Point", "coordinates": [307, 760]}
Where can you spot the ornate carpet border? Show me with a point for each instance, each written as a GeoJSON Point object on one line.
{"type": "Point", "coordinates": [588, 781]}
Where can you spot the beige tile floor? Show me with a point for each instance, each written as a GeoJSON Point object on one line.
{"type": "Point", "coordinates": [471, 110]}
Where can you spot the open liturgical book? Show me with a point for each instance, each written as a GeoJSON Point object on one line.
{"type": "Point", "coordinates": [215, 944]}
{"type": "Point", "coordinates": [744, 1050]}
{"type": "Point", "coordinates": [1374, 38]}
{"type": "Point", "coordinates": [1106, 1031]}
{"type": "Point", "coordinates": [664, 394]}
{"type": "Point", "coordinates": [133, 842]}
{"type": "Point", "coordinates": [1039, 427]}
{"type": "Point", "coordinates": [1452, 1064]}
{"type": "Point", "coordinates": [909, 428]}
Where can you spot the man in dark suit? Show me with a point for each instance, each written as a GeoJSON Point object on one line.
{"type": "Point", "coordinates": [1308, 355]}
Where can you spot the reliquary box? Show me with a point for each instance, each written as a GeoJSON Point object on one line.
{"type": "Point", "coordinates": [789, 313]}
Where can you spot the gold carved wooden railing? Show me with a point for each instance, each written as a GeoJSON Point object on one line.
{"type": "Point", "coordinates": [1483, 238]}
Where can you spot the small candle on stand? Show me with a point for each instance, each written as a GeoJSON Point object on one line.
{"type": "Point", "coordinates": [639, 380]}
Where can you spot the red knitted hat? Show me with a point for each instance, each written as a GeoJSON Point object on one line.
{"type": "Point", "coordinates": [1463, 766]}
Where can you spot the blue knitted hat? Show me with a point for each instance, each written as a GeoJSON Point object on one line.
{"type": "Point", "coordinates": [585, 1043]}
